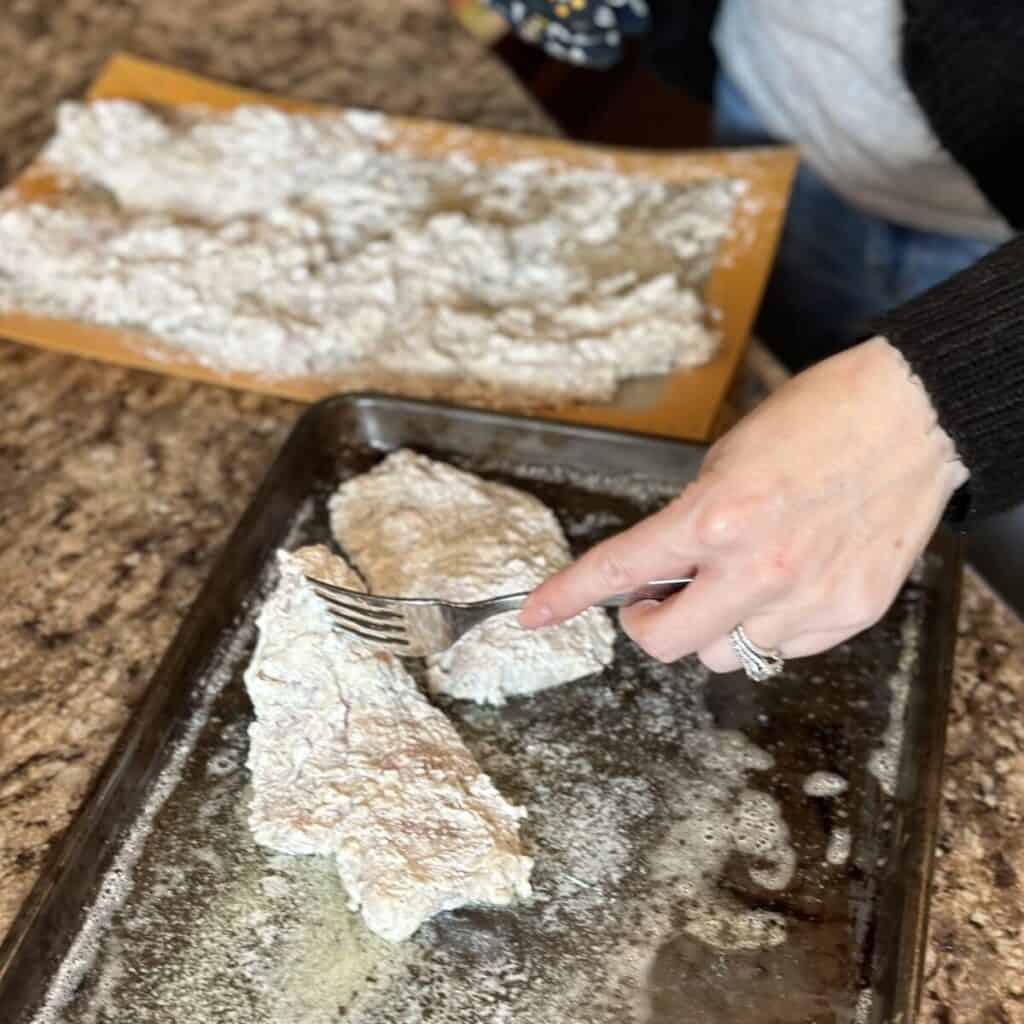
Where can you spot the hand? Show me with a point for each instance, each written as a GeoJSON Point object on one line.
{"type": "Point", "coordinates": [802, 525]}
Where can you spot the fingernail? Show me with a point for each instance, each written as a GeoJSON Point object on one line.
{"type": "Point", "coordinates": [533, 617]}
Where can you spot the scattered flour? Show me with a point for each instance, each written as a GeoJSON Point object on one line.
{"type": "Point", "coordinates": [119, 882]}
{"type": "Point", "coordinates": [865, 1002]}
{"type": "Point", "coordinates": [840, 842]}
{"type": "Point", "coordinates": [721, 817]}
{"type": "Point", "coordinates": [349, 760]}
{"type": "Point", "coordinates": [884, 762]}
{"type": "Point", "coordinates": [825, 784]}
{"type": "Point", "coordinates": [415, 527]}
{"type": "Point", "coordinates": [291, 245]}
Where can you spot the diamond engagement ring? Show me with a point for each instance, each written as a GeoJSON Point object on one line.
{"type": "Point", "coordinates": [757, 662]}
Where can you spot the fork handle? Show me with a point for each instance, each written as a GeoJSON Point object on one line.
{"type": "Point", "coordinates": [656, 590]}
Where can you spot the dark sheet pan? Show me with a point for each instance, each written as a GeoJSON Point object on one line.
{"type": "Point", "coordinates": [655, 795]}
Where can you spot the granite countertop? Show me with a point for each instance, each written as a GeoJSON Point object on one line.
{"type": "Point", "coordinates": [117, 487]}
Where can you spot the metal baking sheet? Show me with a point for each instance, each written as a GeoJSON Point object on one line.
{"type": "Point", "coordinates": [664, 804]}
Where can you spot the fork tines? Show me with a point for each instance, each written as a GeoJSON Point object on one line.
{"type": "Point", "coordinates": [364, 615]}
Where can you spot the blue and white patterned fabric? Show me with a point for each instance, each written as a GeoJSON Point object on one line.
{"type": "Point", "coordinates": [584, 32]}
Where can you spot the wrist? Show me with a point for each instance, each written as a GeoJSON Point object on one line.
{"type": "Point", "coordinates": [896, 376]}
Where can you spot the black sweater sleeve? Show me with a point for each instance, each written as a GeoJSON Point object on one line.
{"type": "Point", "coordinates": [678, 47]}
{"type": "Point", "coordinates": [962, 61]}
{"type": "Point", "coordinates": [965, 340]}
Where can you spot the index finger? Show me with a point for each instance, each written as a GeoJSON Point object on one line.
{"type": "Point", "coordinates": [658, 547]}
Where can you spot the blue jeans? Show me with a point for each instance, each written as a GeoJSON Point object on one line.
{"type": "Point", "coordinates": [837, 266]}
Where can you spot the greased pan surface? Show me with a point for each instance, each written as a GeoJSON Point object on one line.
{"type": "Point", "coordinates": [690, 852]}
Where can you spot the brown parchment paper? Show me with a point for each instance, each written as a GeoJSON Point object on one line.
{"type": "Point", "coordinates": [683, 404]}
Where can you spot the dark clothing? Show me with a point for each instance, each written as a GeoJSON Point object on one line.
{"type": "Point", "coordinates": [965, 339]}
{"type": "Point", "coordinates": [962, 61]}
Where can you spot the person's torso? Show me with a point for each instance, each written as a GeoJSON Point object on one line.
{"type": "Point", "coordinates": [827, 75]}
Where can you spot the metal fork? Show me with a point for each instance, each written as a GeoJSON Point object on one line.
{"type": "Point", "coordinates": [413, 627]}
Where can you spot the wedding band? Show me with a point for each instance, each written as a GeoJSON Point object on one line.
{"type": "Point", "coordinates": [757, 662]}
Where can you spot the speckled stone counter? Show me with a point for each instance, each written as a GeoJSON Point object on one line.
{"type": "Point", "coordinates": [117, 488]}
